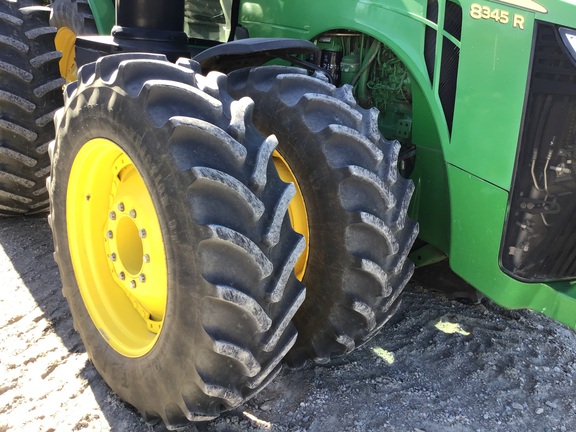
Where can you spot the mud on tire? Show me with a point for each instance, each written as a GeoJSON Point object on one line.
{"type": "Point", "coordinates": [30, 93]}
{"type": "Point", "coordinates": [356, 204]}
{"type": "Point", "coordinates": [229, 246]}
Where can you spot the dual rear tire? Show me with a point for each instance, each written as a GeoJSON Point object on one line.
{"type": "Point", "coordinates": [171, 223]}
{"type": "Point", "coordinates": [355, 206]}
{"type": "Point", "coordinates": [173, 238]}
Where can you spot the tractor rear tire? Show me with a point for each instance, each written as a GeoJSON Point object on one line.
{"type": "Point", "coordinates": [30, 93]}
{"type": "Point", "coordinates": [214, 246]}
{"type": "Point", "coordinates": [75, 15]}
{"type": "Point", "coordinates": [356, 204]}
{"type": "Point", "coordinates": [72, 18]}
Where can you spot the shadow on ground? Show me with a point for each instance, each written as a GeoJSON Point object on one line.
{"type": "Point", "coordinates": [28, 244]}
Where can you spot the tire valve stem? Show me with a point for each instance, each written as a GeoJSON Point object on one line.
{"type": "Point", "coordinates": [132, 214]}
{"type": "Point", "coordinates": [110, 234]}
{"type": "Point", "coordinates": [142, 277]}
{"type": "Point", "coordinates": [121, 207]}
{"type": "Point", "coordinates": [121, 275]}
{"type": "Point", "coordinates": [132, 284]}
{"type": "Point", "coordinates": [142, 233]}
{"type": "Point", "coordinates": [146, 258]}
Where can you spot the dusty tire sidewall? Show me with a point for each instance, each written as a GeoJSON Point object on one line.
{"type": "Point", "coordinates": [327, 220]}
{"type": "Point", "coordinates": [134, 379]}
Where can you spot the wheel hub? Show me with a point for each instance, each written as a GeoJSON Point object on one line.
{"type": "Point", "coordinates": [116, 248]}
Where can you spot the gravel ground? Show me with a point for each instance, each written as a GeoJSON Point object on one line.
{"type": "Point", "coordinates": [441, 365]}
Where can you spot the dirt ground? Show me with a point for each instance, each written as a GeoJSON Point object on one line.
{"type": "Point", "coordinates": [441, 365]}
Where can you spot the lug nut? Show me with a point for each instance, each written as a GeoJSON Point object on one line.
{"type": "Point", "coordinates": [112, 215]}
{"type": "Point", "coordinates": [121, 275]}
{"type": "Point", "coordinates": [110, 234]}
{"type": "Point", "coordinates": [113, 256]}
{"type": "Point", "coordinates": [142, 233]}
{"type": "Point", "coordinates": [132, 214]}
{"type": "Point", "coordinates": [146, 258]}
{"type": "Point", "coordinates": [132, 284]}
{"type": "Point", "coordinates": [142, 277]}
{"type": "Point", "coordinates": [121, 207]}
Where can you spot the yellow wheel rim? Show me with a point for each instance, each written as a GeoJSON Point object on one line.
{"type": "Point", "coordinates": [65, 41]}
{"type": "Point", "coordinates": [116, 248]}
{"type": "Point", "coordinates": [296, 211]}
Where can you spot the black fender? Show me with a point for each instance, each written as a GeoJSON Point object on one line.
{"type": "Point", "coordinates": [225, 58]}
{"type": "Point", "coordinates": [252, 52]}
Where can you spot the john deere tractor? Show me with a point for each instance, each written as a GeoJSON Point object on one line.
{"type": "Point", "coordinates": [233, 184]}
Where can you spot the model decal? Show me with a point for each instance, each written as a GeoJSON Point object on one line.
{"type": "Point", "coordinates": [480, 12]}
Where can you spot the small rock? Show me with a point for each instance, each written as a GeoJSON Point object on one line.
{"type": "Point", "coordinates": [551, 404]}
{"type": "Point", "coordinates": [517, 406]}
{"type": "Point", "coordinates": [266, 406]}
{"type": "Point", "coordinates": [539, 411]}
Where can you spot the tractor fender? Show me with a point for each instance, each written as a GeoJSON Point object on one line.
{"type": "Point", "coordinates": [251, 52]}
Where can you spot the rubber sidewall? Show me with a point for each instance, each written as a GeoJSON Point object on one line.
{"type": "Point", "coordinates": [211, 354]}
{"type": "Point", "coordinates": [356, 205]}
{"type": "Point", "coordinates": [135, 378]}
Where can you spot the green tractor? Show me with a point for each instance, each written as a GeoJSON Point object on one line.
{"type": "Point", "coordinates": [233, 184]}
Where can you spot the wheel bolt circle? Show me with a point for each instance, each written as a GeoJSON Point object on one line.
{"type": "Point", "coordinates": [146, 258]}
{"type": "Point", "coordinates": [121, 207]}
{"type": "Point", "coordinates": [132, 284]}
{"type": "Point", "coordinates": [110, 234]}
{"type": "Point", "coordinates": [121, 275]}
{"type": "Point", "coordinates": [142, 233]}
{"type": "Point", "coordinates": [132, 214]}
{"type": "Point", "coordinates": [142, 277]}
{"type": "Point", "coordinates": [112, 215]}
{"type": "Point", "coordinates": [113, 256]}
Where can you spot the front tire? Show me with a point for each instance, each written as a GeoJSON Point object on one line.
{"type": "Point", "coordinates": [355, 206]}
{"type": "Point", "coordinates": [158, 187]}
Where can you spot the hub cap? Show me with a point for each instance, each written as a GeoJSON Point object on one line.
{"type": "Point", "coordinates": [116, 248]}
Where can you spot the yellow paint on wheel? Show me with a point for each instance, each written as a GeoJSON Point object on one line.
{"type": "Point", "coordinates": [65, 43]}
{"type": "Point", "coordinates": [296, 211]}
{"type": "Point", "coordinates": [116, 247]}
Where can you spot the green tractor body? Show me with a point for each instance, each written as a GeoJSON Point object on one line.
{"type": "Point", "coordinates": [487, 99]}
{"type": "Point", "coordinates": [246, 182]}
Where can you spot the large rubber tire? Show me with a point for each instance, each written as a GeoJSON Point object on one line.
{"type": "Point", "coordinates": [72, 18]}
{"type": "Point", "coordinates": [74, 14]}
{"type": "Point", "coordinates": [355, 201]}
{"type": "Point", "coordinates": [222, 211]}
{"type": "Point", "coordinates": [30, 93]}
